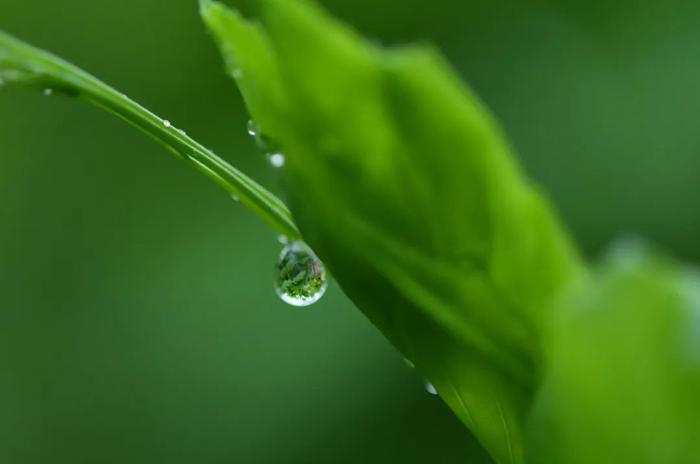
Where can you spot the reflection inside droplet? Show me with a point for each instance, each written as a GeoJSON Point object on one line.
{"type": "Point", "coordinates": [300, 277]}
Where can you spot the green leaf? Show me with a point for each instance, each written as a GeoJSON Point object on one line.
{"type": "Point", "coordinates": [403, 184]}
{"type": "Point", "coordinates": [623, 371]}
{"type": "Point", "coordinates": [24, 65]}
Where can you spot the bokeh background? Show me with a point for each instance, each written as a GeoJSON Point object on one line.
{"type": "Point", "coordinates": [137, 319]}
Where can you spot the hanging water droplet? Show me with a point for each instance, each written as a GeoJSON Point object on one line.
{"type": "Point", "coordinates": [276, 160]}
{"type": "Point", "coordinates": [48, 91]}
{"type": "Point", "coordinates": [409, 363]}
{"type": "Point", "coordinates": [300, 278]}
{"type": "Point", "coordinates": [261, 140]}
{"type": "Point", "coordinates": [166, 123]}
{"type": "Point", "coordinates": [430, 388]}
{"type": "Point", "coordinates": [252, 128]}
{"type": "Point", "coordinates": [283, 239]}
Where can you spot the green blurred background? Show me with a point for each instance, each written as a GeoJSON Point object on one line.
{"type": "Point", "coordinates": [137, 319]}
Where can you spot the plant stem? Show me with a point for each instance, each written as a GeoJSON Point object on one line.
{"type": "Point", "coordinates": [23, 64]}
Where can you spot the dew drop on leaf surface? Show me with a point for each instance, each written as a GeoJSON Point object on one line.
{"type": "Point", "coordinates": [276, 160]}
{"type": "Point", "coordinates": [430, 388]}
{"type": "Point", "coordinates": [252, 128]}
{"type": "Point", "coordinates": [300, 278]}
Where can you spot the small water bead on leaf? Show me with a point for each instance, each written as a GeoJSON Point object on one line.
{"type": "Point", "coordinates": [166, 123]}
{"type": "Point", "coordinates": [276, 160]}
{"type": "Point", "coordinates": [283, 239]}
{"type": "Point", "coordinates": [261, 140]}
{"type": "Point", "coordinates": [300, 277]}
{"type": "Point", "coordinates": [234, 197]}
{"type": "Point", "coordinates": [409, 363]}
{"type": "Point", "coordinates": [252, 128]}
{"type": "Point", "coordinates": [48, 91]}
{"type": "Point", "coordinates": [430, 388]}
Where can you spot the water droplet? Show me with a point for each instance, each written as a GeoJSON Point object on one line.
{"type": "Point", "coordinates": [237, 73]}
{"type": "Point", "coordinates": [166, 123]}
{"type": "Point", "coordinates": [48, 91]}
{"type": "Point", "coordinates": [430, 388]}
{"type": "Point", "coordinates": [234, 197]}
{"type": "Point", "coordinates": [252, 128]}
{"type": "Point", "coordinates": [300, 278]}
{"type": "Point", "coordinates": [409, 363]}
{"type": "Point", "coordinates": [276, 160]}
{"type": "Point", "coordinates": [283, 239]}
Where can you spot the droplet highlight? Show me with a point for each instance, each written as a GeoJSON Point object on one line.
{"type": "Point", "coordinates": [48, 91]}
{"type": "Point", "coordinates": [166, 123]}
{"type": "Point", "coordinates": [252, 128]}
{"type": "Point", "coordinates": [276, 160]}
{"type": "Point", "coordinates": [300, 277]}
{"type": "Point", "coordinates": [283, 239]}
{"type": "Point", "coordinates": [235, 198]}
{"type": "Point", "coordinates": [430, 388]}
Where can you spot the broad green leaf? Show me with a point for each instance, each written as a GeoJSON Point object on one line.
{"type": "Point", "coordinates": [402, 182]}
{"type": "Point", "coordinates": [622, 380]}
{"type": "Point", "coordinates": [24, 65]}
